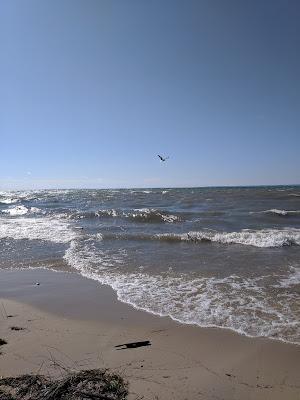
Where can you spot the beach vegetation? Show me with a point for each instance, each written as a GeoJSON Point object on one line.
{"type": "Point", "coordinates": [87, 384]}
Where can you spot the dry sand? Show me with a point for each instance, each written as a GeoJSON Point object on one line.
{"type": "Point", "coordinates": [72, 323]}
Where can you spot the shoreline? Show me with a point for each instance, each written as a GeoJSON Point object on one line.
{"type": "Point", "coordinates": [82, 319]}
{"type": "Point", "coordinates": [157, 314]}
{"type": "Point", "coordinates": [115, 296]}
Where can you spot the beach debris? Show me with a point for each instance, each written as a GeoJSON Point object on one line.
{"type": "Point", "coordinates": [89, 384]}
{"type": "Point", "coordinates": [17, 328]}
{"type": "Point", "coordinates": [230, 375]}
{"type": "Point", "coordinates": [37, 283]}
{"type": "Point", "coordinates": [2, 342]}
{"type": "Point", "coordinates": [133, 345]}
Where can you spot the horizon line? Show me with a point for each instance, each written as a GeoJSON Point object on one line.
{"type": "Point", "coordinates": [158, 187]}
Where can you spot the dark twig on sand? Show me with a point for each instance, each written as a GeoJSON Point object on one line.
{"type": "Point", "coordinates": [17, 328]}
{"type": "Point", "coordinates": [133, 345]}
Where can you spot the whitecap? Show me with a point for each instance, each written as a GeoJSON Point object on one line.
{"type": "Point", "coordinates": [45, 228]}
{"type": "Point", "coordinates": [277, 211]}
{"type": "Point", "coordinates": [292, 279]}
{"type": "Point", "coordinates": [8, 201]}
{"type": "Point", "coordinates": [257, 238]}
{"type": "Point", "coordinates": [18, 210]}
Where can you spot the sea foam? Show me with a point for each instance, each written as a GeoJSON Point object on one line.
{"type": "Point", "coordinates": [44, 228]}
{"type": "Point", "coordinates": [139, 215]}
{"type": "Point", "coordinates": [257, 238]}
{"type": "Point", "coordinates": [9, 201]}
{"type": "Point", "coordinates": [240, 304]}
{"type": "Point", "coordinates": [22, 210]}
{"type": "Point", "coordinates": [18, 210]}
{"type": "Point", "coordinates": [277, 212]}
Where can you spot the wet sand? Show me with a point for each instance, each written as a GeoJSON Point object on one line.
{"type": "Point", "coordinates": [72, 323]}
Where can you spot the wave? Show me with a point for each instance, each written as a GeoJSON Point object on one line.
{"type": "Point", "coordinates": [18, 210]}
{"type": "Point", "coordinates": [242, 304]}
{"type": "Point", "coordinates": [292, 279]}
{"type": "Point", "coordinates": [257, 238]}
{"type": "Point", "coordinates": [141, 191]}
{"type": "Point", "coordinates": [45, 228]}
{"type": "Point", "coordinates": [152, 215]}
{"type": "Point", "coordinates": [277, 212]}
{"type": "Point", "coordinates": [107, 213]}
{"type": "Point", "coordinates": [9, 201]}
{"type": "Point", "coordinates": [137, 215]}
{"type": "Point", "coordinates": [21, 210]}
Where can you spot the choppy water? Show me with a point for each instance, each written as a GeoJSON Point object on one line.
{"type": "Point", "coordinates": [225, 257]}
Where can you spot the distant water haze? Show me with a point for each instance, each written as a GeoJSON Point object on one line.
{"type": "Point", "coordinates": [223, 257]}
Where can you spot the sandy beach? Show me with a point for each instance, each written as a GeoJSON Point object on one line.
{"type": "Point", "coordinates": [69, 322]}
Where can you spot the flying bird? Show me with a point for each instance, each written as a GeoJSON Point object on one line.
{"type": "Point", "coordinates": [163, 159]}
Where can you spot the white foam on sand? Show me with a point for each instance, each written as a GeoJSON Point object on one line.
{"type": "Point", "coordinates": [241, 304]}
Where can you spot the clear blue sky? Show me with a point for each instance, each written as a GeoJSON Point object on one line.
{"type": "Point", "coordinates": [92, 90]}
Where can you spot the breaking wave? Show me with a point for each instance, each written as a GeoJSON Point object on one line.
{"type": "Point", "coordinates": [278, 212]}
{"type": "Point", "coordinates": [136, 215]}
{"type": "Point", "coordinates": [8, 201]}
{"type": "Point", "coordinates": [18, 210]}
{"type": "Point", "coordinates": [258, 238]}
{"type": "Point", "coordinates": [45, 228]}
{"type": "Point", "coordinates": [21, 210]}
{"type": "Point", "coordinates": [241, 304]}
{"type": "Point", "coordinates": [292, 279]}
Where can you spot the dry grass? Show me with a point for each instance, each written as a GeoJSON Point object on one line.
{"type": "Point", "coordinates": [83, 385]}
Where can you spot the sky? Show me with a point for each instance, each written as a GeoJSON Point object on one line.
{"type": "Point", "coordinates": [92, 90]}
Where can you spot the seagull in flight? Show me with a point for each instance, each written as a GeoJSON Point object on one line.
{"type": "Point", "coordinates": [162, 159]}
